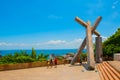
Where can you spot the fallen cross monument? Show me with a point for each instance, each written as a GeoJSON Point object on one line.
{"type": "Point", "coordinates": [88, 43]}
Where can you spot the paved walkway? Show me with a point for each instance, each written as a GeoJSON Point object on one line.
{"type": "Point", "coordinates": [62, 72]}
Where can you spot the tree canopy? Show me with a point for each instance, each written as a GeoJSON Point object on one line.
{"type": "Point", "coordinates": [112, 44]}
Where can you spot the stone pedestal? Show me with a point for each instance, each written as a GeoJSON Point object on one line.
{"type": "Point", "coordinates": [99, 51]}
{"type": "Point", "coordinates": [90, 52]}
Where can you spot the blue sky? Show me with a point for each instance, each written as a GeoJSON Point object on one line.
{"type": "Point", "coordinates": [50, 24]}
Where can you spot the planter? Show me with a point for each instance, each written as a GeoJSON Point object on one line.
{"type": "Point", "coordinates": [1, 67]}
{"type": "Point", "coordinates": [20, 66]}
{"type": "Point", "coordinates": [25, 65]}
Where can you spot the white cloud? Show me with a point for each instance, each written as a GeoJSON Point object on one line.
{"type": "Point", "coordinates": [75, 41]}
{"type": "Point", "coordinates": [51, 44]}
{"type": "Point", "coordinates": [93, 36]}
{"type": "Point", "coordinates": [54, 42]}
{"type": "Point", "coordinates": [5, 44]}
{"type": "Point", "coordinates": [113, 7]}
{"type": "Point", "coordinates": [78, 40]}
{"type": "Point", "coordinates": [54, 17]}
{"type": "Point", "coordinates": [104, 38]}
{"type": "Point", "coordinates": [37, 44]}
{"type": "Point", "coordinates": [21, 44]}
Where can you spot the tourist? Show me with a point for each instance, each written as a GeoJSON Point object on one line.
{"type": "Point", "coordinates": [48, 63]}
{"type": "Point", "coordinates": [80, 61]}
{"type": "Point", "coordinates": [0, 56]}
{"type": "Point", "coordinates": [51, 63]}
{"type": "Point", "coordinates": [55, 62]}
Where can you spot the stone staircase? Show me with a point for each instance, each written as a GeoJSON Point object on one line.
{"type": "Point", "coordinates": [107, 72]}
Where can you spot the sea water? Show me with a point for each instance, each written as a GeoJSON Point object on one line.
{"type": "Point", "coordinates": [57, 52]}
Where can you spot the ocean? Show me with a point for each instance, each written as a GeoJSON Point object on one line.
{"type": "Point", "coordinates": [56, 52]}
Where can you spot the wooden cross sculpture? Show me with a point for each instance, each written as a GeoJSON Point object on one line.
{"type": "Point", "coordinates": [88, 42]}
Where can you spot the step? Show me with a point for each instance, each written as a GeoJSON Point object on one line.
{"type": "Point", "coordinates": [111, 75]}
{"type": "Point", "coordinates": [107, 72]}
{"type": "Point", "coordinates": [102, 72]}
{"type": "Point", "coordinates": [113, 70]}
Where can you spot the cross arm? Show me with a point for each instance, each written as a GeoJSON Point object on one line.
{"type": "Point", "coordinates": [85, 24]}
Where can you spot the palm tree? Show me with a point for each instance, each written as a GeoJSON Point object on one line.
{"type": "Point", "coordinates": [33, 55]}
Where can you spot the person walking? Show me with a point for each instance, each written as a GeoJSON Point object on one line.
{"type": "Point", "coordinates": [48, 63]}
{"type": "Point", "coordinates": [55, 62]}
{"type": "Point", "coordinates": [51, 63]}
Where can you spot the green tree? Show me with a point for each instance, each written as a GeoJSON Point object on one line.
{"type": "Point", "coordinates": [83, 56]}
{"type": "Point", "coordinates": [112, 44]}
{"type": "Point", "coordinates": [43, 57]}
{"type": "Point", "coordinates": [33, 55]}
{"type": "Point", "coordinates": [7, 59]}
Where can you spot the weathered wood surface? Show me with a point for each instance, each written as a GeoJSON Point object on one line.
{"type": "Point", "coordinates": [90, 52]}
{"type": "Point", "coordinates": [84, 41]}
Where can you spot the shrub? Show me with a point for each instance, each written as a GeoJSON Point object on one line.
{"type": "Point", "coordinates": [42, 57]}
{"type": "Point", "coordinates": [7, 59]}
{"type": "Point", "coordinates": [84, 56]}
{"type": "Point", "coordinates": [60, 57]}
{"type": "Point", "coordinates": [24, 59]}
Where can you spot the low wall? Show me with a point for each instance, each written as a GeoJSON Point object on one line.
{"type": "Point", "coordinates": [24, 65]}
{"type": "Point", "coordinates": [117, 57]}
